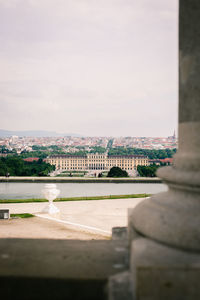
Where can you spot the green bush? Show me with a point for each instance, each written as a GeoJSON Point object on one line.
{"type": "Point", "coordinates": [147, 171]}
{"type": "Point", "coordinates": [117, 172]}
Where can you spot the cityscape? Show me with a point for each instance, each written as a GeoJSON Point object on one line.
{"type": "Point", "coordinates": [99, 150]}
{"type": "Point", "coordinates": [77, 156]}
{"type": "Point", "coordinates": [71, 144]}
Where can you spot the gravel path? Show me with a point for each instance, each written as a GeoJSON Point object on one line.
{"type": "Point", "coordinates": [41, 228]}
{"type": "Point", "coordinates": [101, 214]}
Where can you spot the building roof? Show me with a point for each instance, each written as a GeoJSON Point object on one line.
{"type": "Point", "coordinates": [167, 160]}
{"type": "Point", "coordinates": [85, 156]}
{"type": "Point", "coordinates": [31, 159]}
{"type": "Point", "coordinates": [127, 156]}
{"type": "Point", "coordinates": [65, 156]}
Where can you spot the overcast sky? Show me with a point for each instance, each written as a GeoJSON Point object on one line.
{"type": "Point", "coordinates": [93, 67]}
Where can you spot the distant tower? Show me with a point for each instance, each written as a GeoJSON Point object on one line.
{"type": "Point", "coordinates": [174, 135]}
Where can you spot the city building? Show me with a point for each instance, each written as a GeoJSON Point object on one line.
{"type": "Point", "coordinates": [158, 162]}
{"type": "Point", "coordinates": [97, 161]}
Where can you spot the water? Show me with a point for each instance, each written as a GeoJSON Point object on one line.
{"type": "Point", "coordinates": [16, 190]}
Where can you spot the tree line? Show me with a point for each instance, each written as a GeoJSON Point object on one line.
{"type": "Point", "coordinates": [44, 151]}
{"type": "Point", "coordinates": [16, 166]}
{"type": "Point", "coordinates": [151, 153]}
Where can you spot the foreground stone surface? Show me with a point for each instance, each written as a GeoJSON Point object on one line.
{"type": "Point", "coordinates": [59, 259]}
{"type": "Point", "coordinates": [58, 269]}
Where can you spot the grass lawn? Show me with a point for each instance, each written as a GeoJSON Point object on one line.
{"type": "Point", "coordinates": [76, 198]}
{"type": "Point", "coordinates": [23, 216]}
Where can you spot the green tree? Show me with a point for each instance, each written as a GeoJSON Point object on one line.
{"type": "Point", "coordinates": [117, 172]}
{"type": "Point", "coordinates": [3, 168]}
{"type": "Point", "coordinates": [151, 153]}
{"type": "Point", "coordinates": [98, 149]}
{"type": "Point", "coordinates": [16, 166]}
{"type": "Point", "coordinates": [110, 143]}
{"type": "Point", "coordinates": [147, 171]}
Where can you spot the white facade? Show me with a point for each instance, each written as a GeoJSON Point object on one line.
{"type": "Point", "coordinates": [97, 162]}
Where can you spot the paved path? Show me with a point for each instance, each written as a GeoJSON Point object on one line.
{"type": "Point", "coordinates": [101, 214]}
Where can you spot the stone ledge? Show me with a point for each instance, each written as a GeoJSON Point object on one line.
{"type": "Point", "coordinates": [58, 269]}
{"type": "Point", "coordinates": [60, 259]}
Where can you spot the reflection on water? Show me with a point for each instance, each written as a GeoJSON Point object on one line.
{"type": "Point", "coordinates": [15, 190]}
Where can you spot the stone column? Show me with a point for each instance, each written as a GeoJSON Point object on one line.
{"type": "Point", "coordinates": [165, 230]}
{"type": "Point", "coordinates": [173, 218]}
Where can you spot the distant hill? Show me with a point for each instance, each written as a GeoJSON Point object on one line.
{"type": "Point", "coordinates": [35, 133]}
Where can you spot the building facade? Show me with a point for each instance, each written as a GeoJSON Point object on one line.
{"type": "Point", "coordinates": [97, 161]}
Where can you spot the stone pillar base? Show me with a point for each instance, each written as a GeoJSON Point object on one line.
{"type": "Point", "coordinates": [172, 217]}
{"type": "Point", "coordinates": [159, 272]}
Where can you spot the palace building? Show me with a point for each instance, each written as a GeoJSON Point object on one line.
{"type": "Point", "coordinates": [97, 161]}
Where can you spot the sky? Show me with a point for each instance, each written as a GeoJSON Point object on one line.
{"type": "Point", "coordinates": [95, 68]}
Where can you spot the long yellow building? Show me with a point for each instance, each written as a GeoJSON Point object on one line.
{"type": "Point", "coordinates": [97, 161]}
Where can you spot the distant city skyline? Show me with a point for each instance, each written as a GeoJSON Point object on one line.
{"type": "Point", "coordinates": [106, 68]}
{"type": "Point", "coordinates": [40, 133]}
{"type": "Point", "coordinates": [69, 144]}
